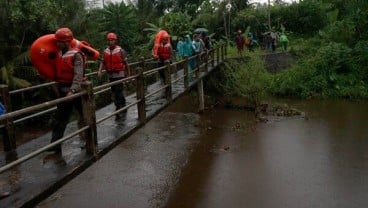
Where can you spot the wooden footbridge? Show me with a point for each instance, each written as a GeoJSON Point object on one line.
{"type": "Point", "coordinates": [24, 179]}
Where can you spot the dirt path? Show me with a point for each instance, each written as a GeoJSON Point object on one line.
{"type": "Point", "coordinates": [278, 61]}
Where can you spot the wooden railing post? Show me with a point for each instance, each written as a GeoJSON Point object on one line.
{"type": "Point", "coordinates": [143, 62]}
{"type": "Point", "coordinates": [198, 66]}
{"type": "Point", "coordinates": [8, 131]}
{"type": "Point", "coordinates": [167, 74]}
{"type": "Point", "coordinates": [141, 105]}
{"type": "Point", "coordinates": [212, 57]}
{"type": "Point", "coordinates": [225, 54]}
{"type": "Point", "coordinates": [186, 73]}
{"type": "Point", "coordinates": [198, 63]}
{"type": "Point", "coordinates": [222, 52]}
{"type": "Point", "coordinates": [206, 62]}
{"type": "Point", "coordinates": [89, 116]}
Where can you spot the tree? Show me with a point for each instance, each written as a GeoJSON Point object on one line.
{"type": "Point", "coordinates": [121, 20]}
{"type": "Point", "coordinates": [177, 23]}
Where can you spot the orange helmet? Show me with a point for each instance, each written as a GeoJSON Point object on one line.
{"type": "Point", "coordinates": [111, 36]}
{"type": "Point", "coordinates": [64, 34]}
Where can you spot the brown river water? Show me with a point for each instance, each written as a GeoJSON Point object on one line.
{"type": "Point", "coordinates": [316, 160]}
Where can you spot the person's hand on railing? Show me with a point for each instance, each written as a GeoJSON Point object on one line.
{"type": "Point", "coordinates": [99, 73]}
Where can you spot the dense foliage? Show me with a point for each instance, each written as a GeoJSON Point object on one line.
{"type": "Point", "coordinates": [332, 60]}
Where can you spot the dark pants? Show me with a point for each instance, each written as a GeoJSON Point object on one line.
{"type": "Point", "coordinates": [63, 112]}
{"type": "Point", "coordinates": [161, 72]}
{"type": "Point", "coordinates": [273, 45]}
{"type": "Point", "coordinates": [118, 93]}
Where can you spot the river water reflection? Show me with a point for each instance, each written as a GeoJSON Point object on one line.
{"type": "Point", "coordinates": [320, 160]}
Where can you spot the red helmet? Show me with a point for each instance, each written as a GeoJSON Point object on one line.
{"type": "Point", "coordinates": [111, 36]}
{"type": "Point", "coordinates": [64, 34]}
{"type": "Point", "coordinates": [166, 37]}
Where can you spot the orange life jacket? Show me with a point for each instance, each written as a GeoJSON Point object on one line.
{"type": "Point", "coordinates": [247, 41]}
{"type": "Point", "coordinates": [113, 60]}
{"type": "Point", "coordinates": [65, 66]}
{"type": "Point", "coordinates": [164, 51]}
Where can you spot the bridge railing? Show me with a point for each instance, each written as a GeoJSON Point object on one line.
{"type": "Point", "coordinates": [138, 77]}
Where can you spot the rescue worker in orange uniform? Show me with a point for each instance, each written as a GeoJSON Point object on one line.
{"type": "Point", "coordinates": [114, 61]}
{"type": "Point", "coordinates": [164, 54]}
{"type": "Point", "coordinates": [70, 66]}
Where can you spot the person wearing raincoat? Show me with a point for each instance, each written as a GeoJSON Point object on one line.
{"type": "Point", "coordinates": [198, 47]}
{"type": "Point", "coordinates": [187, 52]}
{"type": "Point", "coordinates": [251, 42]}
{"type": "Point", "coordinates": [179, 49]}
{"type": "Point", "coordinates": [164, 53]}
{"type": "Point", "coordinates": [284, 41]}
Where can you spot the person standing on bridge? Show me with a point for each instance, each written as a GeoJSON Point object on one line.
{"type": "Point", "coordinates": [114, 61]}
{"type": "Point", "coordinates": [70, 66]}
{"type": "Point", "coordinates": [188, 52]}
{"type": "Point", "coordinates": [164, 54]}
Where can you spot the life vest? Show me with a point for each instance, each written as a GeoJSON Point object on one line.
{"type": "Point", "coordinates": [247, 41]}
{"type": "Point", "coordinates": [65, 66]}
{"type": "Point", "coordinates": [113, 59]}
{"type": "Point", "coordinates": [164, 51]}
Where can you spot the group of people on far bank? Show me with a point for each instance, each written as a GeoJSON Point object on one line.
{"type": "Point", "coordinates": [270, 40]}
{"type": "Point", "coordinates": [242, 42]}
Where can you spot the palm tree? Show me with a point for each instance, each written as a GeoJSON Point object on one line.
{"type": "Point", "coordinates": [19, 65]}
{"type": "Point", "coordinates": [121, 20]}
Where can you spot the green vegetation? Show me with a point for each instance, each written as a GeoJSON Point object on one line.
{"type": "Point", "coordinates": [242, 78]}
{"type": "Point", "coordinates": [331, 50]}
{"type": "Point", "coordinates": [332, 61]}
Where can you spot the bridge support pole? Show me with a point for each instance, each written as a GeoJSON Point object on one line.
{"type": "Point", "coordinates": [199, 85]}
{"type": "Point", "coordinates": [167, 72]}
{"type": "Point", "coordinates": [186, 74]}
{"type": "Point", "coordinates": [141, 105]}
{"type": "Point", "coordinates": [8, 132]}
{"type": "Point", "coordinates": [200, 95]}
{"type": "Point", "coordinates": [89, 113]}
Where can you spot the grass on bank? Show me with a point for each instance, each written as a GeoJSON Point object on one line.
{"type": "Point", "coordinates": [322, 70]}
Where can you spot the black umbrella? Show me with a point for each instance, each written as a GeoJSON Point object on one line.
{"type": "Point", "coordinates": [201, 30]}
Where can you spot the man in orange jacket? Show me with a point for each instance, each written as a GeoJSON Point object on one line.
{"type": "Point", "coordinates": [164, 54]}
{"type": "Point", "coordinates": [114, 61]}
{"type": "Point", "coordinates": [70, 65]}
